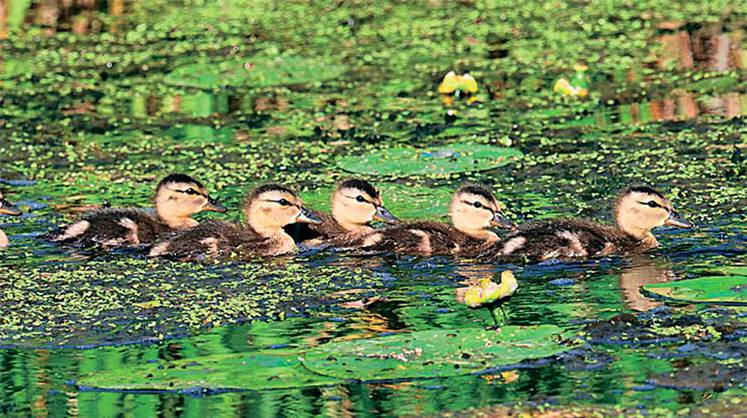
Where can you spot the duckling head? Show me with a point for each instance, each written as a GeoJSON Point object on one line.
{"type": "Point", "coordinates": [474, 209]}
{"type": "Point", "coordinates": [7, 208]}
{"type": "Point", "coordinates": [179, 197]}
{"type": "Point", "coordinates": [356, 203]}
{"type": "Point", "coordinates": [270, 207]}
{"type": "Point", "coordinates": [640, 209]}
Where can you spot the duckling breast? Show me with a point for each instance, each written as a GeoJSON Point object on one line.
{"type": "Point", "coordinates": [71, 232]}
{"type": "Point", "coordinates": [424, 247]}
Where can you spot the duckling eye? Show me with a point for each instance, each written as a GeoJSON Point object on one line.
{"type": "Point", "coordinates": [652, 204]}
{"type": "Point", "coordinates": [360, 199]}
{"type": "Point", "coordinates": [478, 205]}
{"type": "Point", "coordinates": [283, 202]}
{"type": "Point", "coordinates": [191, 191]}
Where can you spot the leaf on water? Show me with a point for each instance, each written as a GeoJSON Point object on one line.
{"type": "Point", "coordinates": [455, 158]}
{"type": "Point", "coordinates": [728, 290]}
{"type": "Point", "coordinates": [275, 369]}
{"type": "Point", "coordinates": [148, 305]}
{"type": "Point", "coordinates": [256, 72]}
{"type": "Point", "coordinates": [404, 201]}
{"type": "Point", "coordinates": [434, 353]}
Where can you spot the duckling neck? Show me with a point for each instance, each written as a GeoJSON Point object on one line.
{"type": "Point", "coordinates": [3, 239]}
{"type": "Point", "coordinates": [282, 242]}
{"type": "Point", "coordinates": [176, 222]}
{"type": "Point", "coordinates": [644, 236]}
{"type": "Point", "coordinates": [269, 231]}
{"type": "Point", "coordinates": [481, 234]}
{"type": "Point", "coordinates": [353, 227]}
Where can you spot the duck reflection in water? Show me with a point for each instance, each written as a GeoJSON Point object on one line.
{"type": "Point", "coordinates": [641, 271]}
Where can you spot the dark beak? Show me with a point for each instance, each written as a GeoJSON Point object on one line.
{"type": "Point", "coordinates": [384, 215]}
{"type": "Point", "coordinates": [308, 217]}
{"type": "Point", "coordinates": [676, 220]}
{"type": "Point", "coordinates": [213, 205]}
{"type": "Point", "coordinates": [8, 208]}
{"type": "Point", "coordinates": [502, 222]}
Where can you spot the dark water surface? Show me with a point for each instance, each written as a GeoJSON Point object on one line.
{"type": "Point", "coordinates": [101, 114]}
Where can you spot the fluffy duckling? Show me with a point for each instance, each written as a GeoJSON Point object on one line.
{"type": "Point", "coordinates": [637, 211]}
{"type": "Point", "coordinates": [355, 204]}
{"type": "Point", "coordinates": [473, 210]}
{"type": "Point", "coordinates": [6, 208]}
{"type": "Point", "coordinates": [178, 197]}
{"type": "Point", "coordinates": [267, 208]}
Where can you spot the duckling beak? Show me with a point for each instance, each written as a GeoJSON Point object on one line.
{"type": "Point", "coordinates": [308, 217]}
{"type": "Point", "coordinates": [8, 208]}
{"type": "Point", "coordinates": [213, 205]}
{"type": "Point", "coordinates": [384, 215]}
{"type": "Point", "coordinates": [501, 221]}
{"type": "Point", "coordinates": [676, 220]}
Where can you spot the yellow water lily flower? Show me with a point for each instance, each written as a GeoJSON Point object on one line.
{"type": "Point", "coordinates": [449, 84]}
{"type": "Point", "coordinates": [468, 84]}
{"type": "Point", "coordinates": [452, 82]}
{"type": "Point", "coordinates": [487, 291]}
{"type": "Point", "coordinates": [579, 68]}
{"type": "Point", "coordinates": [489, 294]}
{"type": "Point", "coordinates": [577, 86]}
{"type": "Point", "coordinates": [564, 87]}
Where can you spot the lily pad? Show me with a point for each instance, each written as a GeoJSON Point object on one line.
{"type": "Point", "coordinates": [274, 369]}
{"type": "Point", "coordinates": [726, 290]}
{"type": "Point", "coordinates": [455, 158]}
{"type": "Point", "coordinates": [253, 72]}
{"type": "Point", "coordinates": [405, 202]}
{"type": "Point", "coordinates": [434, 353]}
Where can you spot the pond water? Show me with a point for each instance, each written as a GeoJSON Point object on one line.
{"type": "Point", "coordinates": [99, 103]}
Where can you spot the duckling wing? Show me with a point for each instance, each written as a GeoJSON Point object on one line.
{"type": "Point", "coordinates": [561, 238]}
{"type": "Point", "coordinates": [207, 239]}
{"type": "Point", "coordinates": [423, 238]}
{"type": "Point", "coordinates": [111, 228]}
{"type": "Point", "coordinates": [213, 239]}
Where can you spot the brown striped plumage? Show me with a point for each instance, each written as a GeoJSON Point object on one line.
{"type": "Point", "coordinates": [355, 204]}
{"type": "Point", "coordinates": [474, 210]}
{"type": "Point", "coordinates": [178, 197]}
{"type": "Point", "coordinates": [637, 211]}
{"type": "Point", "coordinates": [267, 208]}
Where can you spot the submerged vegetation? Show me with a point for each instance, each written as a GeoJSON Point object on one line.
{"type": "Point", "coordinates": [99, 99]}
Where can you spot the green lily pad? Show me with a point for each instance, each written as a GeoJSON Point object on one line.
{"type": "Point", "coordinates": [455, 158]}
{"type": "Point", "coordinates": [727, 290]}
{"type": "Point", "coordinates": [434, 353]}
{"type": "Point", "coordinates": [730, 270]}
{"type": "Point", "coordinates": [261, 370]}
{"type": "Point", "coordinates": [253, 72]}
{"type": "Point", "coordinates": [405, 202]}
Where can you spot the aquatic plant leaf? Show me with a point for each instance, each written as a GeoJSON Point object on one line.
{"type": "Point", "coordinates": [405, 202]}
{"type": "Point", "coordinates": [255, 72]}
{"type": "Point", "coordinates": [275, 369]}
{"type": "Point", "coordinates": [455, 158]}
{"type": "Point", "coordinates": [712, 289]}
{"type": "Point", "coordinates": [434, 353]}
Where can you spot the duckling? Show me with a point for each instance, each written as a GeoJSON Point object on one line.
{"type": "Point", "coordinates": [178, 197]}
{"type": "Point", "coordinates": [474, 210]}
{"type": "Point", "coordinates": [6, 208]}
{"type": "Point", "coordinates": [267, 208]}
{"type": "Point", "coordinates": [355, 204]}
{"type": "Point", "coordinates": [637, 211]}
